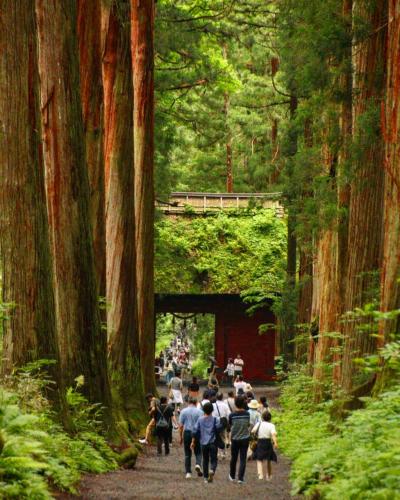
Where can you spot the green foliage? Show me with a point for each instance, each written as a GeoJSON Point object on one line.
{"type": "Point", "coordinates": [201, 335]}
{"type": "Point", "coordinates": [221, 254]}
{"type": "Point", "coordinates": [36, 454]}
{"type": "Point", "coordinates": [359, 458]}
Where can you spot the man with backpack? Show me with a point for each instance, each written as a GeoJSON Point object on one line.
{"type": "Point", "coordinates": [206, 432]}
{"type": "Point", "coordinates": [163, 414]}
{"type": "Point", "coordinates": [187, 423]}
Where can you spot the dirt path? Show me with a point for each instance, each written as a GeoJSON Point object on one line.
{"type": "Point", "coordinates": [163, 477]}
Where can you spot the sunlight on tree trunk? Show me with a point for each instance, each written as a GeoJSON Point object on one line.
{"type": "Point", "coordinates": [142, 49]}
{"type": "Point", "coordinates": [123, 341]}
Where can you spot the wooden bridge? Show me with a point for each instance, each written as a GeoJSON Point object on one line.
{"type": "Point", "coordinates": [188, 203]}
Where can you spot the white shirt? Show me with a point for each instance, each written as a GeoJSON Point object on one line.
{"type": "Point", "coordinates": [238, 364]}
{"type": "Point", "coordinates": [230, 369]}
{"type": "Point", "coordinates": [223, 408]}
{"type": "Point", "coordinates": [230, 403]}
{"type": "Point", "coordinates": [240, 385]}
{"type": "Point", "coordinates": [266, 430]}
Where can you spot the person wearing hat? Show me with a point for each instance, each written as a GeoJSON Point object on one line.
{"type": "Point", "coordinates": [255, 416]}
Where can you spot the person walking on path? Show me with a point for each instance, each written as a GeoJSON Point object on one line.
{"type": "Point", "coordinates": [187, 424]}
{"type": "Point", "coordinates": [238, 365]}
{"type": "Point", "coordinates": [222, 411]}
{"type": "Point", "coordinates": [176, 387]}
{"type": "Point", "coordinates": [239, 384]}
{"type": "Point", "coordinates": [194, 388]}
{"type": "Point", "coordinates": [152, 402]}
{"type": "Point", "coordinates": [255, 416]}
{"type": "Point", "coordinates": [163, 416]}
{"type": "Point", "coordinates": [266, 441]}
{"type": "Point", "coordinates": [206, 433]}
{"type": "Point", "coordinates": [239, 422]}
{"type": "Point", "coordinates": [230, 371]}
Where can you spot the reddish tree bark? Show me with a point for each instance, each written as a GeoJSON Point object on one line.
{"type": "Point", "coordinates": [90, 55]}
{"type": "Point", "coordinates": [390, 290]}
{"type": "Point", "coordinates": [30, 333]}
{"type": "Point", "coordinates": [82, 341]}
{"type": "Point", "coordinates": [124, 351]}
{"type": "Point", "coordinates": [142, 49]}
{"type": "Point", "coordinates": [366, 203]}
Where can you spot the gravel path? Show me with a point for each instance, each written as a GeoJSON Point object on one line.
{"type": "Point", "coordinates": [163, 477]}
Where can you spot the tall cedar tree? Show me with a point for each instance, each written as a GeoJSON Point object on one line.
{"type": "Point", "coordinates": [124, 351]}
{"type": "Point", "coordinates": [367, 185]}
{"type": "Point", "coordinates": [390, 289]}
{"type": "Point", "coordinates": [30, 333]}
{"type": "Point", "coordinates": [142, 49]}
{"type": "Point", "coordinates": [90, 56]}
{"type": "Point", "coordinates": [82, 341]}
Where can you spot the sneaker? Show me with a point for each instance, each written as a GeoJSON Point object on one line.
{"type": "Point", "coordinates": [211, 476]}
{"type": "Point", "coordinates": [232, 479]}
{"type": "Point", "coordinates": [198, 470]}
{"type": "Point", "coordinates": [188, 475]}
{"type": "Point", "coordinates": [206, 480]}
{"type": "Point", "coordinates": [268, 478]}
{"type": "Point", "coordinates": [260, 476]}
{"type": "Point", "coordinates": [240, 481]}
{"type": "Point", "coordinates": [143, 441]}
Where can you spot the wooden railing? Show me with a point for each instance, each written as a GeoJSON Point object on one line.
{"type": "Point", "coordinates": [197, 203]}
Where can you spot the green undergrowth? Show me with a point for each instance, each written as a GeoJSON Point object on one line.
{"type": "Point", "coordinates": [221, 254]}
{"type": "Point", "coordinates": [36, 455]}
{"type": "Point", "coordinates": [355, 459]}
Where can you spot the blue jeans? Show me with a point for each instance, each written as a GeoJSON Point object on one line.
{"type": "Point", "coordinates": [187, 439]}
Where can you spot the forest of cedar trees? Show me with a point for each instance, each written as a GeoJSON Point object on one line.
{"type": "Point", "coordinates": [109, 105]}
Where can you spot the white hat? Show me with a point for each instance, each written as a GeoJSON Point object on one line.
{"type": "Point", "coordinates": [253, 404]}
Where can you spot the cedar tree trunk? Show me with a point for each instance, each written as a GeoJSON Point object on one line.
{"type": "Point", "coordinates": [367, 184]}
{"type": "Point", "coordinates": [30, 333]}
{"type": "Point", "coordinates": [124, 351]}
{"type": "Point", "coordinates": [142, 49]}
{"type": "Point", "coordinates": [90, 55]}
{"type": "Point", "coordinates": [82, 341]}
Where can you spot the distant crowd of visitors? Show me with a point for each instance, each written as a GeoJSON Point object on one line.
{"type": "Point", "coordinates": [210, 424]}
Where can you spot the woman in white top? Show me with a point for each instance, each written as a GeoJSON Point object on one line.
{"type": "Point", "coordinates": [266, 440]}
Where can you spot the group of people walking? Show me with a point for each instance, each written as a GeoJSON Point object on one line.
{"type": "Point", "coordinates": [209, 427]}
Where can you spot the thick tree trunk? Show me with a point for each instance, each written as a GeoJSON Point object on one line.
{"type": "Point", "coordinates": [89, 36]}
{"type": "Point", "coordinates": [82, 341]}
{"type": "Point", "coordinates": [124, 351]}
{"type": "Point", "coordinates": [390, 289]}
{"type": "Point", "coordinates": [142, 49]}
{"type": "Point", "coordinates": [346, 131]}
{"type": "Point", "coordinates": [30, 333]}
{"type": "Point", "coordinates": [366, 204]}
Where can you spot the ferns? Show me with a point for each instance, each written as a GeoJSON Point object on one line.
{"type": "Point", "coordinates": [360, 459]}
{"type": "Point", "coordinates": [36, 452]}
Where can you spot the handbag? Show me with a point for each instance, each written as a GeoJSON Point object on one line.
{"type": "Point", "coordinates": [218, 439]}
{"type": "Point", "coordinates": [254, 438]}
{"type": "Point", "coordinates": [223, 420]}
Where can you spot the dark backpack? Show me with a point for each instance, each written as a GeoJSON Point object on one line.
{"type": "Point", "coordinates": [162, 422]}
